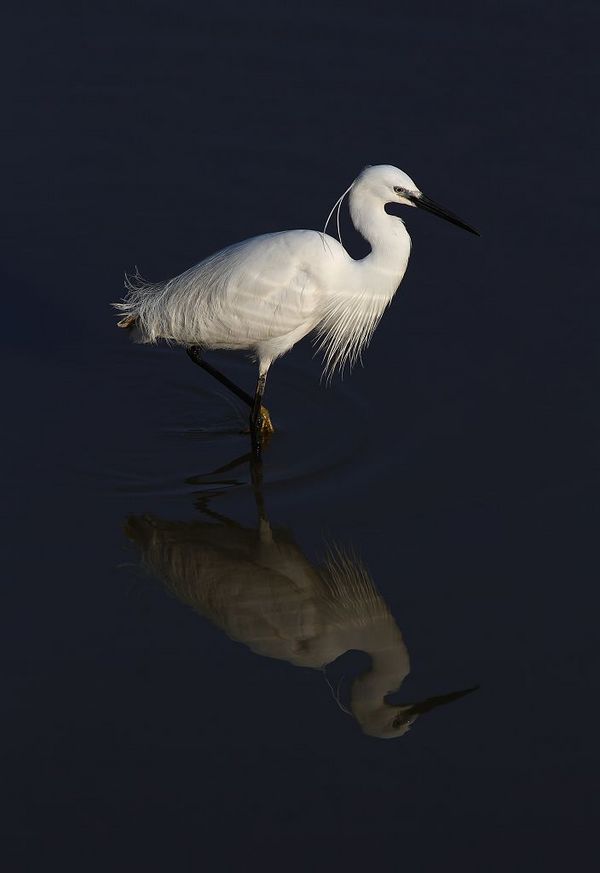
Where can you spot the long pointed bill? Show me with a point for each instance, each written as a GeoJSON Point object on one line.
{"type": "Point", "coordinates": [428, 205]}
{"type": "Point", "coordinates": [439, 700]}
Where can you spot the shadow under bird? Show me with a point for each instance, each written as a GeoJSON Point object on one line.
{"type": "Point", "coordinates": [261, 590]}
{"type": "Point", "coordinates": [266, 293]}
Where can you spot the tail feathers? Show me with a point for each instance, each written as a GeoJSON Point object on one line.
{"type": "Point", "coordinates": [171, 311]}
{"type": "Point", "coordinates": [134, 306]}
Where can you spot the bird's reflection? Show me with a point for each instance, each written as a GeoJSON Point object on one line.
{"type": "Point", "coordinates": [256, 584]}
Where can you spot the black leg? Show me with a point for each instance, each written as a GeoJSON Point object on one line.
{"type": "Point", "coordinates": [257, 416]}
{"type": "Point", "coordinates": [195, 353]}
{"type": "Point", "coordinates": [256, 474]}
{"type": "Point", "coordinates": [258, 396]}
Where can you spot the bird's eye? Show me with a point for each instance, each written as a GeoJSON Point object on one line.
{"type": "Point", "coordinates": [398, 190]}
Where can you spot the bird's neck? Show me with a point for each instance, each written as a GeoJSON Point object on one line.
{"type": "Point", "coordinates": [390, 665]}
{"type": "Point", "coordinates": [389, 240]}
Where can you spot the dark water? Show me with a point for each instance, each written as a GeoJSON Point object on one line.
{"type": "Point", "coordinates": [457, 472]}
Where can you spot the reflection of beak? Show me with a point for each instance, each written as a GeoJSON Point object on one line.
{"type": "Point", "coordinates": [428, 205]}
{"type": "Point", "coordinates": [441, 699]}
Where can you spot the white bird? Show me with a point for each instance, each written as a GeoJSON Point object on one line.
{"type": "Point", "coordinates": [265, 294]}
{"type": "Point", "coordinates": [256, 584]}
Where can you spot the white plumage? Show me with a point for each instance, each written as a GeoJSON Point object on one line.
{"type": "Point", "coordinates": [266, 293]}
{"type": "Point", "coordinates": [256, 584]}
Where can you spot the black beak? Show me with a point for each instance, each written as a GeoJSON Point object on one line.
{"type": "Point", "coordinates": [428, 205]}
{"type": "Point", "coordinates": [440, 700]}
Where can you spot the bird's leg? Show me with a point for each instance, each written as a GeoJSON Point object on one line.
{"type": "Point", "coordinates": [260, 420]}
{"type": "Point", "coordinates": [256, 477]}
{"type": "Point", "coordinates": [265, 531]}
{"type": "Point", "coordinates": [195, 353]}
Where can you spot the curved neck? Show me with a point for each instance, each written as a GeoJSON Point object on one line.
{"type": "Point", "coordinates": [390, 663]}
{"type": "Point", "coordinates": [386, 234]}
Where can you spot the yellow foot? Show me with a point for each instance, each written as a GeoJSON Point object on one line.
{"type": "Point", "coordinates": [267, 424]}
{"type": "Point", "coordinates": [127, 322]}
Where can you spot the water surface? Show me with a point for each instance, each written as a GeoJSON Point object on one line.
{"type": "Point", "coordinates": [209, 665]}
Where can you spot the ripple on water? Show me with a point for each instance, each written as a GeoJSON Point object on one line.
{"type": "Point", "coordinates": [197, 443]}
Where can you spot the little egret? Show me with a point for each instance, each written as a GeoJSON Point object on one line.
{"type": "Point", "coordinates": [257, 585]}
{"type": "Point", "coordinates": [266, 293]}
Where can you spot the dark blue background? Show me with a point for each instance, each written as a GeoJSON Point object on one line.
{"type": "Point", "coordinates": [460, 463]}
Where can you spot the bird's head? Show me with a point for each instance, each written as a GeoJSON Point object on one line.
{"type": "Point", "coordinates": [385, 720]}
{"type": "Point", "coordinates": [391, 185]}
